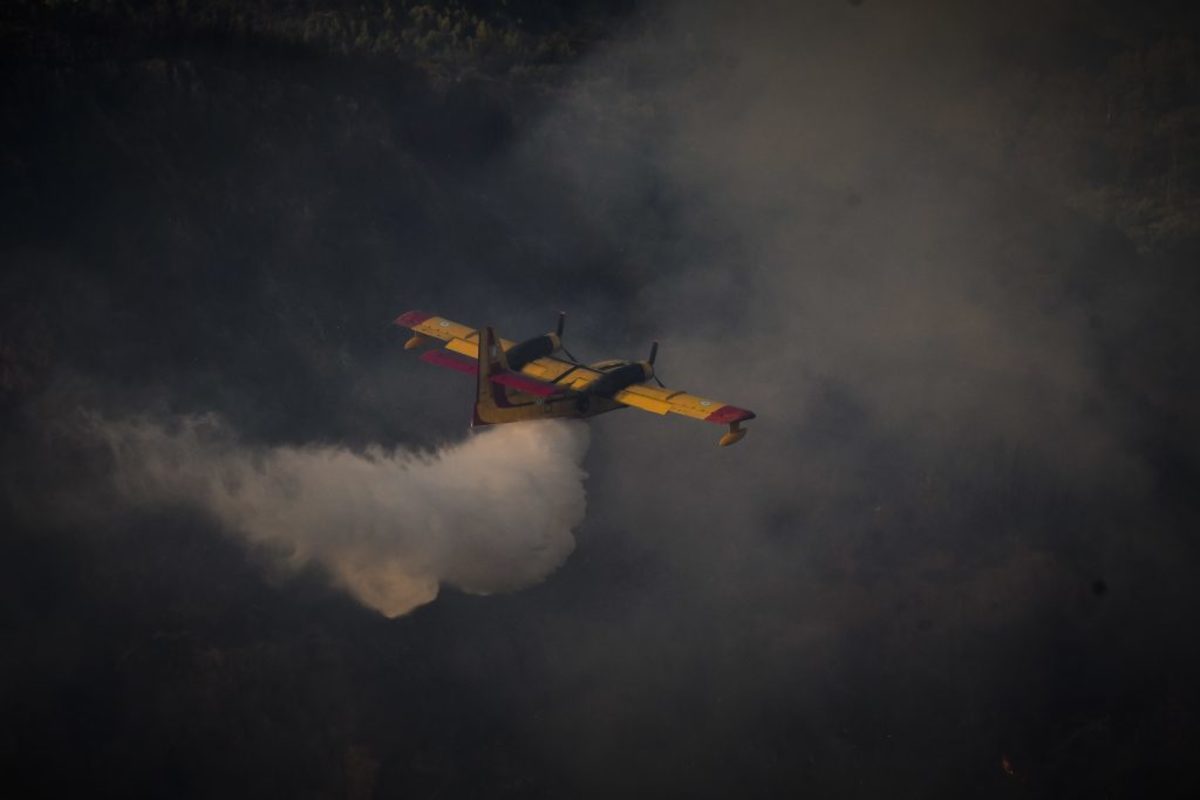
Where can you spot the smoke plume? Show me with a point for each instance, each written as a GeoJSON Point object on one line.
{"type": "Point", "coordinates": [493, 513]}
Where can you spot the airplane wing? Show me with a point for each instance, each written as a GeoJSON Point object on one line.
{"type": "Point", "coordinates": [645, 396]}
{"type": "Point", "coordinates": [462, 342]}
{"type": "Point", "coordinates": [459, 338]}
{"type": "Point", "coordinates": [672, 401]}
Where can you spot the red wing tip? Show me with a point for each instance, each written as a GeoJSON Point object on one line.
{"type": "Point", "coordinates": [410, 319]}
{"type": "Point", "coordinates": [729, 414]}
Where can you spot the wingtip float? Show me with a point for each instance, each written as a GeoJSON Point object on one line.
{"type": "Point", "coordinates": [539, 378]}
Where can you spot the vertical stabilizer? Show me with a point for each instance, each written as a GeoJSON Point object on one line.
{"type": "Point", "coordinates": [492, 405]}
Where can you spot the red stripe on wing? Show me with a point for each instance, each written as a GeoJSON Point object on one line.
{"type": "Point", "coordinates": [524, 384]}
{"type": "Point", "coordinates": [444, 358]}
{"type": "Point", "coordinates": [724, 415]}
{"type": "Point", "coordinates": [450, 360]}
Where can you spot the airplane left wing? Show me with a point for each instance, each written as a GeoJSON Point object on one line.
{"type": "Point", "coordinates": [462, 342]}
{"type": "Point", "coordinates": [460, 338]}
{"type": "Point", "coordinates": [433, 327]}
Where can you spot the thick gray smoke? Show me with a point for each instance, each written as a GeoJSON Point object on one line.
{"type": "Point", "coordinates": [823, 225]}
{"type": "Point", "coordinates": [493, 513]}
{"type": "Point", "coordinates": [827, 228]}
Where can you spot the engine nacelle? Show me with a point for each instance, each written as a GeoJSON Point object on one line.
{"type": "Point", "coordinates": [617, 378]}
{"type": "Point", "coordinates": [532, 349]}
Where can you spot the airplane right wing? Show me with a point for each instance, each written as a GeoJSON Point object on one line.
{"type": "Point", "coordinates": [664, 401]}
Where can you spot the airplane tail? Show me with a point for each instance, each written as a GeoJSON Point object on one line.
{"type": "Point", "coordinates": [492, 405]}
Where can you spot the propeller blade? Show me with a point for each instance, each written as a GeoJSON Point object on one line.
{"type": "Point", "coordinates": [568, 352]}
{"type": "Point", "coordinates": [562, 323]}
{"type": "Point", "coordinates": [654, 355]}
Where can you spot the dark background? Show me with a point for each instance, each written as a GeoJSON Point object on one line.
{"type": "Point", "coordinates": [947, 252]}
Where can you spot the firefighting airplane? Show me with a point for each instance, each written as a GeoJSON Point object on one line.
{"type": "Point", "coordinates": [530, 380]}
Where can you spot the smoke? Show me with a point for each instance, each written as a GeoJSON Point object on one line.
{"type": "Point", "coordinates": [493, 513]}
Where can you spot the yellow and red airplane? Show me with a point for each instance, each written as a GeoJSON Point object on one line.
{"type": "Point", "coordinates": [531, 380]}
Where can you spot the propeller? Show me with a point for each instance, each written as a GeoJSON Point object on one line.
{"type": "Point", "coordinates": [562, 325]}
{"type": "Point", "coordinates": [650, 360]}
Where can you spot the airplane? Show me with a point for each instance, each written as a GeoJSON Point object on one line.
{"type": "Point", "coordinates": [539, 379]}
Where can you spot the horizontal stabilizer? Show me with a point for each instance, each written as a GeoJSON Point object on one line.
{"type": "Point", "coordinates": [525, 384]}
{"type": "Point", "coordinates": [469, 366]}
